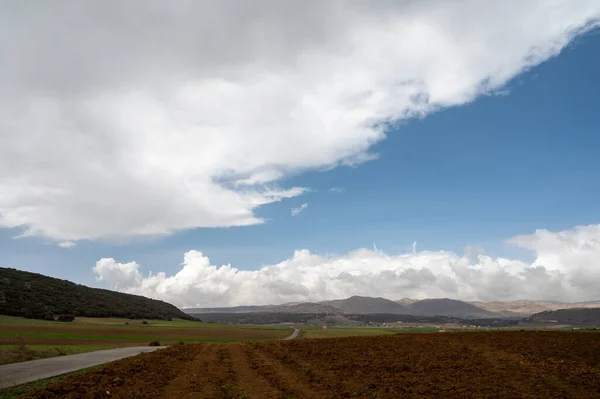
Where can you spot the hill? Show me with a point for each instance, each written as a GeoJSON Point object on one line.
{"type": "Point", "coordinates": [37, 296]}
{"type": "Point", "coordinates": [585, 317]}
{"type": "Point", "coordinates": [231, 309]}
{"type": "Point", "coordinates": [526, 308]}
{"type": "Point", "coordinates": [307, 308]}
{"type": "Point", "coordinates": [362, 304]}
{"type": "Point", "coordinates": [449, 307]}
{"type": "Point", "coordinates": [406, 306]}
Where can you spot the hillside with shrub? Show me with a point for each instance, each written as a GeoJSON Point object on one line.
{"type": "Point", "coordinates": [37, 296]}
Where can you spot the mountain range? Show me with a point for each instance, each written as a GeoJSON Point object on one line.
{"type": "Point", "coordinates": [425, 307]}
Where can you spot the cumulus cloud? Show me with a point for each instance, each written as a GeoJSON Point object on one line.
{"type": "Point", "coordinates": [119, 275]}
{"type": "Point", "coordinates": [143, 118]}
{"type": "Point", "coordinates": [296, 211]}
{"type": "Point", "coordinates": [566, 268]}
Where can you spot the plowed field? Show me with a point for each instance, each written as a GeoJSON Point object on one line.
{"type": "Point", "coordinates": [450, 365]}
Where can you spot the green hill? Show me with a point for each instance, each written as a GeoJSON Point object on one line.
{"type": "Point", "coordinates": [37, 296]}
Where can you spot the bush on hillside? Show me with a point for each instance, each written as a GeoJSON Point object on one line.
{"type": "Point", "coordinates": [66, 317]}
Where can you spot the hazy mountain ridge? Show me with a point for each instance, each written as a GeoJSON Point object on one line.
{"type": "Point", "coordinates": [425, 307]}
{"type": "Point", "coordinates": [362, 304]}
{"type": "Point", "coordinates": [526, 308]}
{"type": "Point", "coordinates": [449, 307]}
{"type": "Point", "coordinates": [585, 317]}
{"type": "Point", "coordinates": [308, 307]}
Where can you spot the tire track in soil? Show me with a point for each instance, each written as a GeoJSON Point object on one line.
{"type": "Point", "coordinates": [203, 377]}
{"type": "Point", "coordinates": [289, 382]}
{"type": "Point", "coordinates": [236, 370]}
{"type": "Point", "coordinates": [245, 380]}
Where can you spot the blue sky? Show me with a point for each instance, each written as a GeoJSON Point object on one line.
{"type": "Point", "coordinates": [523, 156]}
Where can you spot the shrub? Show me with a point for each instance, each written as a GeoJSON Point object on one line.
{"type": "Point", "coordinates": [154, 343]}
{"type": "Point", "coordinates": [66, 317]}
{"type": "Point", "coordinates": [144, 322]}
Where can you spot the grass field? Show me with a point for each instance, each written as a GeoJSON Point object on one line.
{"type": "Point", "coordinates": [112, 321]}
{"type": "Point", "coordinates": [23, 353]}
{"type": "Point", "coordinates": [27, 339]}
{"type": "Point", "coordinates": [358, 332]}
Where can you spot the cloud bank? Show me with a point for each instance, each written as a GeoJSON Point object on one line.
{"type": "Point", "coordinates": [130, 119]}
{"type": "Point", "coordinates": [566, 268]}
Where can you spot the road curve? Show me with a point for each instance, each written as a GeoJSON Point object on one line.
{"type": "Point", "coordinates": [20, 373]}
{"type": "Point", "coordinates": [293, 335]}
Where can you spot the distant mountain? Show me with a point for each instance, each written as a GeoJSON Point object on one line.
{"type": "Point", "coordinates": [232, 309]}
{"type": "Point", "coordinates": [407, 306]}
{"type": "Point", "coordinates": [585, 317]}
{"type": "Point", "coordinates": [307, 307]}
{"type": "Point", "coordinates": [37, 296]}
{"type": "Point", "coordinates": [406, 301]}
{"type": "Point", "coordinates": [363, 304]}
{"type": "Point", "coordinates": [527, 307]}
{"type": "Point", "coordinates": [449, 307]}
{"type": "Point", "coordinates": [294, 307]}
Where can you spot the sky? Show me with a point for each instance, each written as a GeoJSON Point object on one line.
{"type": "Point", "coordinates": [215, 154]}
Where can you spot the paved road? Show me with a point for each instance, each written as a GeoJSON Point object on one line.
{"type": "Point", "coordinates": [20, 373]}
{"type": "Point", "coordinates": [292, 335]}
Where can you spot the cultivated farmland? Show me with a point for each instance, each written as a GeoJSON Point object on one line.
{"type": "Point", "coordinates": [359, 332]}
{"type": "Point", "coordinates": [26, 339]}
{"type": "Point", "coordinates": [135, 334]}
{"type": "Point", "coordinates": [448, 365]}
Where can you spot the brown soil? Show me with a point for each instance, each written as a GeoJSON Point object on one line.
{"type": "Point", "coordinates": [451, 365]}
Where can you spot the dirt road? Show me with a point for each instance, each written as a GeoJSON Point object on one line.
{"type": "Point", "coordinates": [21, 373]}
{"type": "Point", "coordinates": [293, 335]}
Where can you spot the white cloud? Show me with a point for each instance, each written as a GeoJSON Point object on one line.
{"type": "Point", "coordinates": [121, 121]}
{"type": "Point", "coordinates": [336, 190]}
{"type": "Point", "coordinates": [66, 244]}
{"type": "Point", "coordinates": [119, 275]}
{"type": "Point", "coordinates": [566, 268]}
{"type": "Point", "coordinates": [296, 211]}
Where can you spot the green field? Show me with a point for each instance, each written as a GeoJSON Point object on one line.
{"type": "Point", "coordinates": [149, 323]}
{"type": "Point", "coordinates": [27, 339]}
{"type": "Point", "coordinates": [23, 353]}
